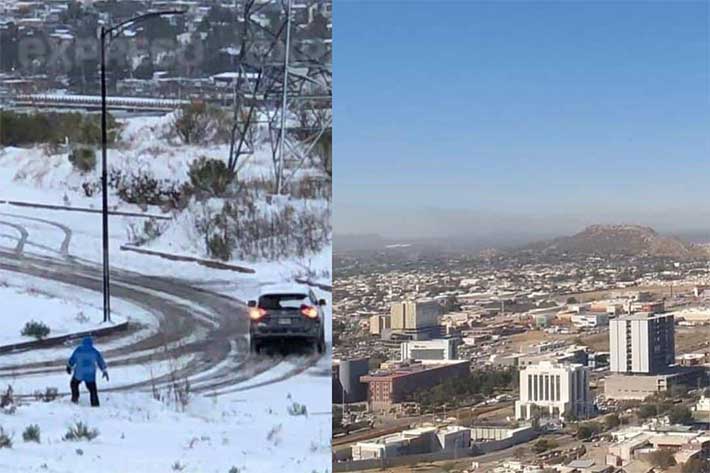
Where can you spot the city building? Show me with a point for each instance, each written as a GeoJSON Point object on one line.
{"type": "Point", "coordinates": [427, 439]}
{"type": "Point", "coordinates": [348, 373]}
{"type": "Point", "coordinates": [640, 386]}
{"type": "Point", "coordinates": [418, 320]}
{"type": "Point", "coordinates": [439, 349]}
{"type": "Point", "coordinates": [401, 380]}
{"type": "Point", "coordinates": [554, 389]}
{"type": "Point", "coordinates": [590, 320]}
{"type": "Point", "coordinates": [378, 324]}
{"type": "Point", "coordinates": [633, 442]}
{"type": "Point", "coordinates": [642, 343]}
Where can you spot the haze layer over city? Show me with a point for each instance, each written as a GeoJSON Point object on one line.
{"type": "Point", "coordinates": [522, 269]}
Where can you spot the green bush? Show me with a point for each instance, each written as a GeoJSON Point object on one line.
{"type": "Point", "coordinates": [209, 177]}
{"type": "Point", "coordinates": [680, 415]}
{"type": "Point", "coordinates": [31, 128]}
{"type": "Point", "coordinates": [80, 431]}
{"type": "Point", "coordinates": [587, 430]}
{"type": "Point", "coordinates": [31, 434]}
{"type": "Point", "coordinates": [297, 409]}
{"type": "Point", "coordinates": [83, 159]}
{"type": "Point", "coordinates": [648, 410]}
{"type": "Point", "coordinates": [219, 247]}
{"type": "Point", "coordinates": [35, 329]}
{"type": "Point", "coordinates": [198, 123]}
{"type": "Point", "coordinates": [612, 421]}
{"type": "Point", "coordinates": [5, 439]}
{"type": "Point", "coordinates": [543, 445]}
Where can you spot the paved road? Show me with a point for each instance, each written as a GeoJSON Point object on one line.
{"type": "Point", "coordinates": [191, 321]}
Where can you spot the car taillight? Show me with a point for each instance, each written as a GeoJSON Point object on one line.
{"type": "Point", "coordinates": [308, 311]}
{"type": "Point", "coordinates": [255, 313]}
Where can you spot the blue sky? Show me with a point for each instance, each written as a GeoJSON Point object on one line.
{"type": "Point", "coordinates": [468, 117]}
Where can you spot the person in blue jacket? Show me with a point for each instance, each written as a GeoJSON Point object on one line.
{"type": "Point", "coordinates": [83, 362]}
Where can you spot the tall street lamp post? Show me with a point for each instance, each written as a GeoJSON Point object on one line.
{"type": "Point", "coordinates": [109, 33]}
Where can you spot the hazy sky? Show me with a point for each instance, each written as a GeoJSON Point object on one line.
{"type": "Point", "coordinates": [469, 117]}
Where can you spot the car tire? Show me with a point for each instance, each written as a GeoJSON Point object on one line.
{"type": "Point", "coordinates": [254, 347]}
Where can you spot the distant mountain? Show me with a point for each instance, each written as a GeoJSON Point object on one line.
{"type": "Point", "coordinates": [634, 240]}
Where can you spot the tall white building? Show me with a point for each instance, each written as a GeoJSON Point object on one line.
{"type": "Point", "coordinates": [641, 343]}
{"type": "Point", "coordinates": [439, 349]}
{"type": "Point", "coordinates": [554, 389]}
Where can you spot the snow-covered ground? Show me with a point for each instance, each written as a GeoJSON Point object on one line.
{"type": "Point", "coordinates": [245, 428]}
{"type": "Point", "coordinates": [62, 308]}
{"type": "Point", "coordinates": [251, 431]}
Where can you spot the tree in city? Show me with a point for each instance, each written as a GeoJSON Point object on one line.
{"type": "Point", "coordinates": [696, 465]}
{"type": "Point", "coordinates": [648, 410]}
{"type": "Point", "coordinates": [612, 421]}
{"type": "Point", "coordinates": [662, 458]}
{"type": "Point", "coordinates": [680, 415]}
{"type": "Point", "coordinates": [543, 445]}
{"type": "Point", "coordinates": [588, 430]}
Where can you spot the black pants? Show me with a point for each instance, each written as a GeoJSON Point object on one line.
{"type": "Point", "coordinates": [90, 385]}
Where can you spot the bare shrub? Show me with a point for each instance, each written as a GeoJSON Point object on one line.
{"type": "Point", "coordinates": [7, 400]}
{"type": "Point", "coordinates": [297, 409]}
{"type": "Point", "coordinates": [80, 431]}
{"type": "Point", "coordinates": [310, 187]}
{"type": "Point", "coordinates": [197, 123]}
{"type": "Point", "coordinates": [177, 391]}
{"type": "Point", "coordinates": [142, 188]}
{"type": "Point", "coordinates": [264, 231]}
{"type": "Point", "coordinates": [150, 230]}
{"type": "Point", "coordinates": [209, 177]}
{"type": "Point", "coordinates": [5, 439]}
{"type": "Point", "coordinates": [83, 159]}
{"type": "Point", "coordinates": [49, 395]}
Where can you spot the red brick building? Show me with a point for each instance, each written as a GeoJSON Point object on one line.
{"type": "Point", "coordinates": [389, 387]}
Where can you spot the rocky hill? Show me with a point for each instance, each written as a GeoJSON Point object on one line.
{"type": "Point", "coordinates": [634, 240]}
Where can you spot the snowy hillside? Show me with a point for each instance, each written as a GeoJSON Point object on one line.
{"type": "Point", "coordinates": [185, 394]}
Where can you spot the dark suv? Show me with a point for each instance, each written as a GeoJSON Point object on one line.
{"type": "Point", "coordinates": [286, 317]}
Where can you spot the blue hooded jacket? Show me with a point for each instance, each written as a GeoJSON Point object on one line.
{"type": "Point", "coordinates": [85, 359]}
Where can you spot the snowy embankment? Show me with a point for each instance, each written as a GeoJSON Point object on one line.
{"type": "Point", "coordinates": [253, 423]}
{"type": "Point", "coordinates": [146, 149]}
{"type": "Point", "coordinates": [252, 431]}
{"type": "Point", "coordinates": [64, 309]}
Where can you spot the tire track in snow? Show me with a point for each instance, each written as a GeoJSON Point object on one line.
{"type": "Point", "coordinates": [19, 248]}
{"type": "Point", "coordinates": [64, 246]}
{"type": "Point", "coordinates": [220, 317]}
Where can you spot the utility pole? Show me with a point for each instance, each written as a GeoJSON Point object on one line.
{"type": "Point", "coordinates": [108, 33]}
{"type": "Point", "coordinates": [284, 100]}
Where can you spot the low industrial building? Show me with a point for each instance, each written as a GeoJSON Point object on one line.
{"type": "Point", "coordinates": [439, 349]}
{"type": "Point", "coordinates": [640, 386]}
{"type": "Point", "coordinates": [412, 442]}
{"type": "Point", "coordinates": [636, 441]}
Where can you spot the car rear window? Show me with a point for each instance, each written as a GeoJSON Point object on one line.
{"type": "Point", "coordinates": [282, 301]}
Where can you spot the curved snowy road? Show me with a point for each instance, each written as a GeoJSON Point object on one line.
{"type": "Point", "coordinates": [206, 327]}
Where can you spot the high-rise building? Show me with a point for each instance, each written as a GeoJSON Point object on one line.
{"type": "Point", "coordinates": [554, 389]}
{"type": "Point", "coordinates": [439, 349]}
{"type": "Point", "coordinates": [348, 381]}
{"type": "Point", "coordinates": [418, 320]}
{"type": "Point", "coordinates": [378, 324]}
{"type": "Point", "coordinates": [641, 343]}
